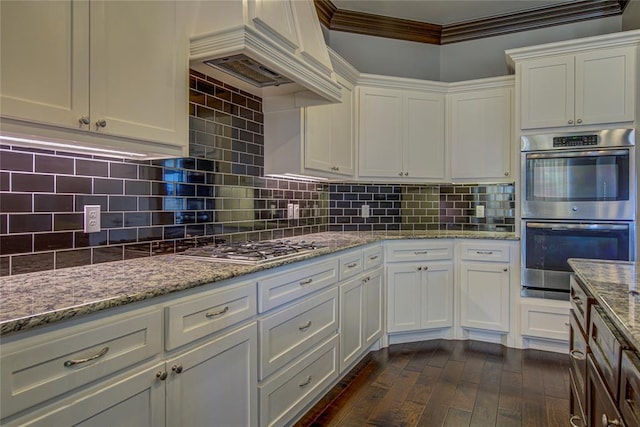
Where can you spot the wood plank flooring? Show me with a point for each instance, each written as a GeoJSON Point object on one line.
{"type": "Point", "coordinates": [449, 383]}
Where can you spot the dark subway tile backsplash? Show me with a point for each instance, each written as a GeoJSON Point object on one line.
{"type": "Point", "coordinates": [219, 192]}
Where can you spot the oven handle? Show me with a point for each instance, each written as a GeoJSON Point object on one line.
{"type": "Point", "coordinates": [593, 153]}
{"type": "Point", "coordinates": [576, 226]}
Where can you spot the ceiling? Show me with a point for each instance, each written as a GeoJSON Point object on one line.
{"type": "Point", "coordinates": [451, 21]}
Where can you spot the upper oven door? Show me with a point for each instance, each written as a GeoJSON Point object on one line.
{"type": "Point", "coordinates": [579, 184]}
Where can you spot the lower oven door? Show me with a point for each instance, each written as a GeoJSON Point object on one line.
{"type": "Point", "coordinates": [547, 245]}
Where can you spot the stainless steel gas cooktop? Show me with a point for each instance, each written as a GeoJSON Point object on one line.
{"type": "Point", "coordinates": [251, 253]}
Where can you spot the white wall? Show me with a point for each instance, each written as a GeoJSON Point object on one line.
{"type": "Point", "coordinates": [457, 61]}
{"type": "Point", "coordinates": [631, 16]}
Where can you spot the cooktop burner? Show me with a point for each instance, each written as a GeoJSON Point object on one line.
{"type": "Point", "coordinates": [251, 252]}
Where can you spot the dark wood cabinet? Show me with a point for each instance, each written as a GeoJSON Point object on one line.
{"type": "Point", "coordinates": [601, 408]}
{"type": "Point", "coordinates": [630, 388]}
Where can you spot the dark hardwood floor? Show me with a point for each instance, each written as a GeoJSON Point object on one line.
{"type": "Point", "coordinates": [449, 383]}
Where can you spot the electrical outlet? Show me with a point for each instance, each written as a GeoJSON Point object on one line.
{"type": "Point", "coordinates": [296, 211]}
{"type": "Point", "coordinates": [91, 218]}
{"type": "Point", "coordinates": [479, 211]}
{"type": "Point", "coordinates": [290, 211]}
{"type": "Point", "coordinates": [364, 212]}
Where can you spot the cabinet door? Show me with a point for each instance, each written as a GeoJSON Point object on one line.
{"type": "Point", "coordinates": [605, 86]}
{"type": "Point", "coordinates": [480, 134]}
{"type": "Point", "coordinates": [373, 309]}
{"type": "Point", "coordinates": [424, 143]}
{"type": "Point", "coordinates": [484, 296]}
{"type": "Point", "coordinates": [601, 408]}
{"type": "Point", "coordinates": [342, 138]}
{"type": "Point", "coordinates": [215, 384]}
{"type": "Point", "coordinates": [351, 321]}
{"type": "Point", "coordinates": [547, 92]}
{"type": "Point", "coordinates": [318, 141]}
{"type": "Point", "coordinates": [137, 400]}
{"type": "Point", "coordinates": [380, 133]}
{"type": "Point", "coordinates": [403, 299]}
{"type": "Point", "coordinates": [44, 74]}
{"type": "Point", "coordinates": [139, 71]}
{"type": "Point", "coordinates": [437, 295]}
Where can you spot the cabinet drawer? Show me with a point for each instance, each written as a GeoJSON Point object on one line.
{"type": "Point", "coordinates": [288, 285]}
{"type": "Point", "coordinates": [576, 404]}
{"type": "Point", "coordinates": [284, 395]}
{"type": "Point", "coordinates": [209, 313]}
{"type": "Point", "coordinates": [483, 251]}
{"type": "Point", "coordinates": [630, 388]}
{"type": "Point", "coordinates": [419, 250]}
{"type": "Point", "coordinates": [606, 346]}
{"type": "Point", "coordinates": [550, 322]}
{"type": "Point", "coordinates": [351, 264]}
{"type": "Point", "coordinates": [581, 303]}
{"type": "Point", "coordinates": [292, 331]}
{"type": "Point", "coordinates": [600, 406]}
{"type": "Point", "coordinates": [373, 257]}
{"type": "Point", "coordinates": [35, 370]}
{"type": "Point", "coordinates": [578, 351]}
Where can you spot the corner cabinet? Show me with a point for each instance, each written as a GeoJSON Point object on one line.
{"type": "Point", "coordinates": [594, 85]}
{"type": "Point", "coordinates": [97, 70]}
{"type": "Point", "coordinates": [401, 133]}
{"type": "Point", "coordinates": [480, 129]}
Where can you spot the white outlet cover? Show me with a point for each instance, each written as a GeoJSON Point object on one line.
{"type": "Point", "coordinates": [92, 218]}
{"type": "Point", "coordinates": [364, 213]}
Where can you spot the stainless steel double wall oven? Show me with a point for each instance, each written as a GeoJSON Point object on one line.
{"type": "Point", "coordinates": [578, 200]}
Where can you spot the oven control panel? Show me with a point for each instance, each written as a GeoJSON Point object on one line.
{"type": "Point", "coordinates": [575, 141]}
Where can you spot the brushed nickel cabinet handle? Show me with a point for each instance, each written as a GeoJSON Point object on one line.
{"type": "Point", "coordinates": [606, 422]}
{"type": "Point", "coordinates": [421, 252]}
{"type": "Point", "coordinates": [74, 362]}
{"type": "Point", "coordinates": [577, 354]}
{"type": "Point", "coordinates": [573, 421]}
{"type": "Point", "coordinates": [306, 282]}
{"type": "Point", "coordinates": [374, 257]}
{"type": "Point", "coordinates": [217, 313]}
{"type": "Point", "coordinates": [570, 122]}
{"type": "Point", "coordinates": [579, 121]}
{"type": "Point", "coordinates": [305, 326]}
{"type": "Point", "coordinates": [484, 252]}
{"type": "Point", "coordinates": [176, 368]}
{"type": "Point", "coordinates": [505, 269]}
{"type": "Point", "coordinates": [161, 375]}
{"type": "Point", "coordinates": [353, 264]}
{"type": "Point", "coordinates": [84, 120]}
{"type": "Point", "coordinates": [101, 123]}
{"type": "Point", "coordinates": [306, 382]}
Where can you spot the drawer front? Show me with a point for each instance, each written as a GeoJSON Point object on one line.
{"type": "Point", "coordinates": [483, 251]}
{"type": "Point", "coordinates": [600, 406]}
{"type": "Point", "coordinates": [373, 257]}
{"type": "Point", "coordinates": [209, 313]}
{"type": "Point", "coordinates": [545, 322]}
{"type": "Point", "coordinates": [38, 371]}
{"type": "Point", "coordinates": [292, 331]}
{"type": "Point", "coordinates": [581, 304]}
{"type": "Point", "coordinates": [630, 388]}
{"type": "Point", "coordinates": [288, 285]}
{"type": "Point", "coordinates": [286, 394]}
{"type": "Point", "coordinates": [419, 250]}
{"type": "Point", "coordinates": [351, 264]}
{"type": "Point", "coordinates": [577, 416]}
{"type": "Point", "coordinates": [578, 352]}
{"type": "Point", "coordinates": [606, 347]}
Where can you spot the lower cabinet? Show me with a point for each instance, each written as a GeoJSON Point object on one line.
{"type": "Point", "coordinates": [484, 295]}
{"type": "Point", "coordinates": [215, 384]}
{"type": "Point", "coordinates": [420, 296]}
{"type": "Point", "coordinates": [602, 409]}
{"type": "Point", "coordinates": [360, 316]}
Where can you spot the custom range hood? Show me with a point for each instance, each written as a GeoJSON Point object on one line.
{"type": "Point", "coordinates": [271, 48]}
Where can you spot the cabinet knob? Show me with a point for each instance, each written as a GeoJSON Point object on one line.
{"type": "Point", "coordinates": [101, 123]}
{"type": "Point", "coordinates": [425, 268]}
{"type": "Point", "coordinates": [176, 368]}
{"type": "Point", "coordinates": [506, 174]}
{"type": "Point", "coordinates": [406, 174]}
{"type": "Point", "coordinates": [84, 120]}
{"type": "Point", "coordinates": [579, 121]}
{"type": "Point", "coordinates": [606, 422]}
{"type": "Point", "coordinates": [337, 168]}
{"type": "Point", "coordinates": [400, 173]}
{"type": "Point", "coordinates": [570, 122]}
{"type": "Point", "coordinates": [419, 268]}
{"type": "Point", "coordinates": [577, 354]}
{"type": "Point", "coordinates": [505, 269]}
{"type": "Point", "coordinates": [161, 375]}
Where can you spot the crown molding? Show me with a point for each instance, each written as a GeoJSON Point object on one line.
{"type": "Point", "coordinates": [403, 29]}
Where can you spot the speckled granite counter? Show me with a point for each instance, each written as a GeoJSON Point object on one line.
{"type": "Point", "coordinates": [30, 300]}
{"type": "Point", "coordinates": [610, 282]}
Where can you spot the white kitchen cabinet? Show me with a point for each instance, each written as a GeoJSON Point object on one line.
{"type": "Point", "coordinates": [484, 282]}
{"type": "Point", "coordinates": [547, 319]}
{"type": "Point", "coordinates": [360, 315]}
{"type": "Point", "coordinates": [104, 72]}
{"type": "Point", "coordinates": [420, 296]}
{"type": "Point", "coordinates": [596, 87]}
{"type": "Point", "coordinates": [401, 134]}
{"type": "Point", "coordinates": [133, 400]}
{"type": "Point", "coordinates": [480, 132]}
{"type": "Point", "coordinates": [215, 383]}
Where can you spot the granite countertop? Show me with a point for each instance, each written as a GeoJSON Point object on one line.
{"type": "Point", "coordinates": [614, 284]}
{"type": "Point", "coordinates": [34, 299]}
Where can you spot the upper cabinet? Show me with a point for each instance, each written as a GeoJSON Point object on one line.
{"type": "Point", "coordinates": [401, 133]}
{"type": "Point", "coordinates": [581, 82]}
{"type": "Point", "coordinates": [107, 73]}
{"type": "Point", "coordinates": [480, 129]}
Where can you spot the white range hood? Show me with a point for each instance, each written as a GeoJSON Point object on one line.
{"type": "Point", "coordinates": [276, 45]}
